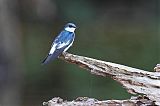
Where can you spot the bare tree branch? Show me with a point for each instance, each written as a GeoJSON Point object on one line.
{"type": "Point", "coordinates": [85, 101]}
{"type": "Point", "coordinates": [135, 81]}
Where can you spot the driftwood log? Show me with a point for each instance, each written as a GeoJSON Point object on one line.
{"type": "Point", "coordinates": [135, 81]}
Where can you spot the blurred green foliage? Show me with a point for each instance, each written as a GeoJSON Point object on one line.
{"type": "Point", "coordinates": [119, 31]}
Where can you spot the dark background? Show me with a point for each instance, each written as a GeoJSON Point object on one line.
{"type": "Point", "coordinates": [120, 31]}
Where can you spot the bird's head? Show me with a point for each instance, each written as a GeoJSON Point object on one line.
{"type": "Point", "coordinates": [70, 27]}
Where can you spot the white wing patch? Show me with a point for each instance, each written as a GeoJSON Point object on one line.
{"type": "Point", "coordinates": [53, 49]}
{"type": "Point", "coordinates": [62, 45]}
{"type": "Point", "coordinates": [58, 46]}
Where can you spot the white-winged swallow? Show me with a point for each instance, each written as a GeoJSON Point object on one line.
{"type": "Point", "coordinates": [61, 43]}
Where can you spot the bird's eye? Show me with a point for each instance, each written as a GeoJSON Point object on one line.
{"type": "Point", "coordinates": [70, 25]}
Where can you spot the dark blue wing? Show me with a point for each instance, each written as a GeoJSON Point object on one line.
{"type": "Point", "coordinates": [64, 36]}
{"type": "Point", "coordinates": [53, 56]}
{"type": "Point", "coordinates": [60, 43]}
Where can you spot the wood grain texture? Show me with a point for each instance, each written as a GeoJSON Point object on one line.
{"type": "Point", "coordinates": [135, 81]}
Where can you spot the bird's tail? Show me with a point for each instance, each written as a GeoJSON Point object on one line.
{"type": "Point", "coordinates": [46, 59]}
{"type": "Point", "coordinates": [53, 56]}
{"type": "Point", "coordinates": [50, 57]}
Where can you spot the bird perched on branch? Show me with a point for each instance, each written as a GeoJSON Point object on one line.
{"type": "Point", "coordinates": [61, 43]}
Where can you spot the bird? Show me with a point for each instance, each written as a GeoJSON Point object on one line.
{"type": "Point", "coordinates": [61, 43]}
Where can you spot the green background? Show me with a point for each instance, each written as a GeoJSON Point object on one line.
{"type": "Point", "coordinates": [119, 31]}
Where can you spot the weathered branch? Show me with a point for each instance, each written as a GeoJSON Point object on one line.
{"type": "Point", "coordinates": [135, 81]}
{"type": "Point", "coordinates": [85, 101]}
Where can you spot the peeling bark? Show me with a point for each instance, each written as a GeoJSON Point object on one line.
{"type": "Point", "coordinates": [85, 101]}
{"type": "Point", "coordinates": [135, 81]}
